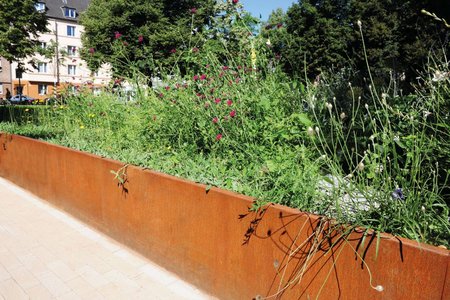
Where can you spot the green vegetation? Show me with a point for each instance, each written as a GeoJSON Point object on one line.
{"type": "Point", "coordinates": [20, 25]}
{"type": "Point", "coordinates": [361, 153]}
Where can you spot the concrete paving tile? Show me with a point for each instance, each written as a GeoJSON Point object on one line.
{"type": "Point", "coordinates": [122, 281]}
{"type": "Point", "coordinates": [4, 274]}
{"type": "Point", "coordinates": [39, 292]}
{"type": "Point", "coordinates": [80, 286]}
{"type": "Point", "coordinates": [24, 278]}
{"type": "Point", "coordinates": [93, 277]}
{"type": "Point", "coordinates": [62, 270]}
{"type": "Point", "coordinates": [9, 289]}
{"type": "Point", "coordinates": [55, 285]}
{"type": "Point", "coordinates": [69, 296]}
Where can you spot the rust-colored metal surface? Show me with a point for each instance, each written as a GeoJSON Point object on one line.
{"type": "Point", "coordinates": [211, 239]}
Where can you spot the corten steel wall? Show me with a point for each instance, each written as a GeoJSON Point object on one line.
{"type": "Point", "coordinates": [212, 240]}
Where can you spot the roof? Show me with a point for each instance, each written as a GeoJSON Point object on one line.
{"type": "Point", "coordinates": [55, 8]}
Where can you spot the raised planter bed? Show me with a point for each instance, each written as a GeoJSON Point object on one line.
{"type": "Point", "coordinates": [211, 239]}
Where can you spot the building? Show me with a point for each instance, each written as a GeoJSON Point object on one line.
{"type": "Point", "coordinates": [59, 65]}
{"type": "Point", "coordinates": [5, 78]}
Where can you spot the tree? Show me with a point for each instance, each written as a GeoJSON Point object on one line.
{"type": "Point", "coordinates": [398, 38]}
{"type": "Point", "coordinates": [150, 34]}
{"type": "Point", "coordinates": [20, 26]}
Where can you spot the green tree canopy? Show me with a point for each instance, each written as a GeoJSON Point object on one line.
{"type": "Point", "coordinates": [150, 33]}
{"type": "Point", "coordinates": [20, 26]}
{"type": "Point", "coordinates": [324, 34]}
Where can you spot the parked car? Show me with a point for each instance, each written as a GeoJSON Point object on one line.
{"type": "Point", "coordinates": [21, 99]}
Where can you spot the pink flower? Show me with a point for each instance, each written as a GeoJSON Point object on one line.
{"type": "Point", "coordinates": [193, 10]}
{"type": "Point", "coordinates": [217, 100]}
{"type": "Point", "coordinates": [125, 43]}
{"type": "Point", "coordinates": [203, 77]}
{"type": "Point", "coordinates": [229, 102]}
{"type": "Point", "coordinates": [161, 95]}
{"type": "Point", "coordinates": [207, 104]}
{"type": "Point", "coordinates": [140, 39]}
{"type": "Point", "coordinates": [215, 120]}
{"type": "Point", "coordinates": [91, 50]}
{"type": "Point", "coordinates": [167, 88]}
{"type": "Point", "coordinates": [219, 137]}
{"type": "Point", "coordinates": [279, 25]}
{"type": "Point", "coordinates": [195, 77]}
{"type": "Point", "coordinates": [235, 1]}
{"type": "Point", "coordinates": [232, 113]}
{"type": "Point", "coordinates": [225, 68]}
{"type": "Point", "coordinates": [195, 50]}
{"type": "Point", "coordinates": [173, 51]}
{"type": "Point", "coordinates": [117, 35]}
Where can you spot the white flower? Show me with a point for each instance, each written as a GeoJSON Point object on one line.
{"type": "Point", "coordinates": [343, 115]}
{"type": "Point", "coordinates": [366, 106]}
{"type": "Point", "coordinates": [317, 129]}
{"type": "Point", "coordinates": [361, 166]}
{"type": "Point", "coordinates": [310, 131]}
{"type": "Point", "coordinates": [379, 288]}
{"type": "Point", "coordinates": [268, 42]}
{"type": "Point", "coordinates": [439, 76]}
{"type": "Point", "coordinates": [359, 23]}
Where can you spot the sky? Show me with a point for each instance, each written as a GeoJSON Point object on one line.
{"type": "Point", "coordinates": [265, 7]}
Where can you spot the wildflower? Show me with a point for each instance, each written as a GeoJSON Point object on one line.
{"type": "Point", "coordinates": [196, 77]}
{"type": "Point", "coordinates": [235, 1]}
{"type": "Point", "coordinates": [426, 114]}
{"type": "Point", "coordinates": [398, 194]}
{"type": "Point", "coordinates": [229, 102]}
{"type": "Point", "coordinates": [217, 100]}
{"type": "Point", "coordinates": [125, 43]}
{"type": "Point", "coordinates": [366, 106]}
{"type": "Point", "coordinates": [117, 35]}
{"type": "Point", "coordinates": [232, 113]}
{"type": "Point", "coordinates": [215, 120]}
{"type": "Point", "coordinates": [423, 208]}
{"type": "Point", "coordinates": [173, 51]}
{"type": "Point", "coordinates": [310, 131]}
{"type": "Point", "coordinates": [167, 88]}
{"type": "Point", "coordinates": [379, 288]}
{"type": "Point", "coordinates": [81, 126]}
{"type": "Point", "coordinates": [360, 166]}
{"type": "Point", "coordinates": [26, 109]}
{"type": "Point", "coordinates": [203, 77]}
{"type": "Point", "coordinates": [396, 139]}
{"type": "Point", "coordinates": [439, 76]}
{"type": "Point", "coordinates": [91, 50]}
{"type": "Point", "coordinates": [359, 23]}
{"type": "Point", "coordinates": [268, 43]}
{"type": "Point", "coordinates": [140, 39]}
{"type": "Point", "coordinates": [193, 10]}
{"type": "Point", "coordinates": [219, 137]}
{"type": "Point", "coordinates": [343, 116]}
{"type": "Point", "coordinates": [279, 25]}
{"type": "Point", "coordinates": [195, 49]}
{"type": "Point", "coordinates": [224, 68]}
{"type": "Point", "coordinates": [329, 106]}
{"type": "Point", "coordinates": [206, 105]}
{"type": "Point", "coordinates": [317, 129]}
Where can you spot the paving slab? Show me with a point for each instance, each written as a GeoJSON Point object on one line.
{"type": "Point", "coordinates": [47, 254]}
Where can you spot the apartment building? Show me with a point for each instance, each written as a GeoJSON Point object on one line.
{"type": "Point", "coordinates": [61, 67]}
{"type": "Point", "coordinates": [5, 79]}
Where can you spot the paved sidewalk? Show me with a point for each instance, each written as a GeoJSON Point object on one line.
{"type": "Point", "coordinates": [47, 254]}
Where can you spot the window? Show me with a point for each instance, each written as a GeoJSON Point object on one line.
{"type": "Point", "coordinates": [70, 12]}
{"type": "Point", "coordinates": [70, 30]}
{"type": "Point", "coordinates": [40, 6]}
{"type": "Point", "coordinates": [71, 50]}
{"type": "Point", "coordinates": [1, 88]}
{"type": "Point", "coordinates": [42, 67]}
{"type": "Point", "coordinates": [71, 69]}
{"type": "Point", "coordinates": [42, 88]}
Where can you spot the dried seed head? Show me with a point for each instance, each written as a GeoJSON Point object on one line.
{"type": "Point", "coordinates": [361, 166]}
{"type": "Point", "coordinates": [379, 288]}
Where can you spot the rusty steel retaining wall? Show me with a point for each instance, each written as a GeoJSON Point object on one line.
{"type": "Point", "coordinates": [211, 239]}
